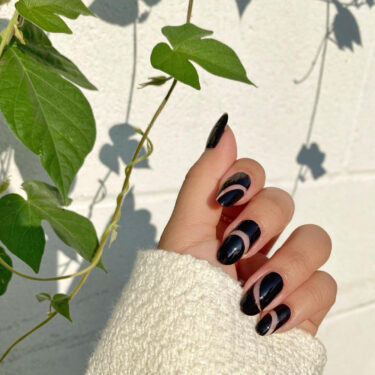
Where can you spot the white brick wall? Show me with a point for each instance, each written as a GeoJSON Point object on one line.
{"type": "Point", "coordinates": [277, 42]}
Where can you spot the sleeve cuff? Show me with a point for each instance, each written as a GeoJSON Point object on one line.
{"type": "Point", "coordinates": [180, 315]}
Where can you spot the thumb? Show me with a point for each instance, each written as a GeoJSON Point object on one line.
{"type": "Point", "coordinates": [196, 203]}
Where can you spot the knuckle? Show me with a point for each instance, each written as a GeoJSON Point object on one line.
{"type": "Point", "coordinates": [330, 286]}
{"type": "Point", "coordinates": [298, 263]}
{"type": "Point", "coordinates": [319, 236]}
{"type": "Point", "coordinates": [281, 200]}
{"type": "Point", "coordinates": [316, 295]}
{"type": "Point", "coordinates": [255, 168]}
{"type": "Point", "coordinates": [193, 171]}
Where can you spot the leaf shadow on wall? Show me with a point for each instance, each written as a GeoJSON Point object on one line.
{"type": "Point", "coordinates": [121, 148]}
{"type": "Point", "coordinates": [3, 23]}
{"type": "Point", "coordinates": [102, 291]}
{"type": "Point", "coordinates": [115, 156]}
{"type": "Point", "coordinates": [344, 33]}
{"type": "Point", "coordinates": [120, 12]}
{"type": "Point", "coordinates": [242, 5]}
{"type": "Point", "coordinates": [61, 343]}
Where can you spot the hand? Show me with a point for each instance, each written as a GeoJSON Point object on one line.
{"type": "Point", "coordinates": [224, 215]}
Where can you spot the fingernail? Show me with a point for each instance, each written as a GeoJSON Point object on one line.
{"type": "Point", "coordinates": [233, 189]}
{"type": "Point", "coordinates": [217, 131]}
{"type": "Point", "coordinates": [261, 293]}
{"type": "Point", "coordinates": [238, 242]}
{"type": "Point", "coordinates": [273, 320]}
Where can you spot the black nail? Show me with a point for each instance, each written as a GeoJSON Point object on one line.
{"type": "Point", "coordinates": [238, 242]}
{"type": "Point", "coordinates": [233, 189]}
{"type": "Point", "coordinates": [273, 320]}
{"type": "Point", "coordinates": [217, 131]}
{"type": "Point", "coordinates": [261, 294]}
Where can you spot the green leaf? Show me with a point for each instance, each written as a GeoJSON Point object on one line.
{"type": "Point", "coordinates": [48, 114]}
{"type": "Point", "coordinates": [21, 230]}
{"type": "Point", "coordinates": [176, 65]}
{"type": "Point", "coordinates": [60, 302]}
{"type": "Point", "coordinates": [5, 275]}
{"type": "Point", "coordinates": [188, 43]}
{"type": "Point", "coordinates": [155, 81]}
{"type": "Point", "coordinates": [46, 13]}
{"type": "Point", "coordinates": [178, 35]}
{"type": "Point", "coordinates": [40, 48]}
{"type": "Point", "coordinates": [43, 297]}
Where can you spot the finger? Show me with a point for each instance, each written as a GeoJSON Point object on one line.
{"type": "Point", "coordinates": [315, 297]}
{"type": "Point", "coordinates": [248, 266]}
{"type": "Point", "coordinates": [268, 246]}
{"type": "Point", "coordinates": [196, 212]}
{"type": "Point", "coordinates": [307, 248]}
{"type": "Point", "coordinates": [264, 217]}
{"type": "Point", "coordinates": [241, 182]}
{"type": "Point", "coordinates": [312, 324]}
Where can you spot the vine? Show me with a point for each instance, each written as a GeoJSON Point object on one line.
{"type": "Point", "coordinates": [43, 81]}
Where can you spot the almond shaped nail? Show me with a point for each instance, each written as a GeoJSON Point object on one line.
{"type": "Point", "coordinates": [272, 321]}
{"type": "Point", "coordinates": [261, 294]}
{"type": "Point", "coordinates": [233, 189]}
{"type": "Point", "coordinates": [217, 131]}
{"type": "Point", "coordinates": [238, 242]}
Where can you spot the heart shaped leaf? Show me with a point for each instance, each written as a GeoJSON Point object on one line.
{"type": "Point", "coordinates": [47, 113]}
{"type": "Point", "coordinates": [60, 302]}
{"type": "Point", "coordinates": [189, 43]}
{"type": "Point", "coordinates": [46, 13]}
{"type": "Point", "coordinates": [21, 230]}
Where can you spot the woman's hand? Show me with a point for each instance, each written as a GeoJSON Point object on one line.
{"type": "Point", "coordinates": [223, 214]}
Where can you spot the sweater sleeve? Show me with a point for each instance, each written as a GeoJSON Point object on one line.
{"type": "Point", "coordinates": [180, 315]}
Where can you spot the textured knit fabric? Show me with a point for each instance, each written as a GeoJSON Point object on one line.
{"type": "Point", "coordinates": [180, 315]}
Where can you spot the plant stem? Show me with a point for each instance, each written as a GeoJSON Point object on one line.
{"type": "Point", "coordinates": [8, 32]}
{"type": "Point", "coordinates": [117, 214]}
{"type": "Point", "coordinates": [45, 321]}
{"type": "Point", "coordinates": [190, 9]}
{"type": "Point", "coordinates": [112, 226]}
{"type": "Point", "coordinates": [27, 334]}
{"type": "Point", "coordinates": [115, 218]}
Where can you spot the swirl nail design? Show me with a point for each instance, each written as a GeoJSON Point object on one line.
{"type": "Point", "coordinates": [238, 242]}
{"type": "Point", "coordinates": [233, 189]}
{"type": "Point", "coordinates": [261, 294]}
{"type": "Point", "coordinates": [273, 320]}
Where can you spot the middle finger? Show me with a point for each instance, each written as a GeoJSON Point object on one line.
{"type": "Point", "coordinates": [263, 218]}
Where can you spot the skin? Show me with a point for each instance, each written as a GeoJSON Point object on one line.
{"type": "Point", "coordinates": [197, 227]}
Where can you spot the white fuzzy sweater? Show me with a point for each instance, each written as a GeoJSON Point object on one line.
{"type": "Point", "coordinates": [181, 315]}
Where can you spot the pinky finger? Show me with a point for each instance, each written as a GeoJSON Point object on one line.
{"type": "Point", "coordinates": [305, 308]}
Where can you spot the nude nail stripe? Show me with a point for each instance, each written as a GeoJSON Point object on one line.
{"type": "Point", "coordinates": [256, 294]}
{"type": "Point", "coordinates": [274, 322]}
{"type": "Point", "coordinates": [244, 237]}
{"type": "Point", "coordinates": [230, 188]}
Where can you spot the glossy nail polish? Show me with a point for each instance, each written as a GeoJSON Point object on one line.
{"type": "Point", "coordinates": [217, 131]}
{"type": "Point", "coordinates": [273, 320]}
{"type": "Point", "coordinates": [261, 293]}
{"type": "Point", "coordinates": [238, 242]}
{"type": "Point", "coordinates": [233, 189]}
